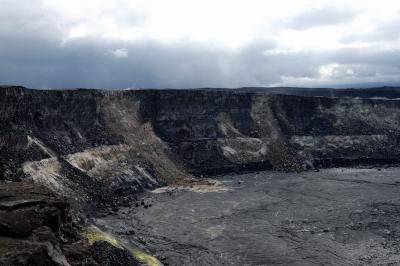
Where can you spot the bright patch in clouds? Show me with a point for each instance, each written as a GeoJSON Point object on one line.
{"type": "Point", "coordinates": [190, 43]}
{"type": "Point", "coordinates": [118, 53]}
{"type": "Point", "coordinates": [305, 24]}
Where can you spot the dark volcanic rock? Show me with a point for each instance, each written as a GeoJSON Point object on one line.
{"type": "Point", "coordinates": [339, 216]}
{"type": "Point", "coordinates": [102, 146]}
{"type": "Point", "coordinates": [112, 256]}
{"type": "Point", "coordinates": [36, 228]}
{"type": "Point", "coordinates": [221, 131]}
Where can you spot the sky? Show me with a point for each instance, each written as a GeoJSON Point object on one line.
{"type": "Point", "coordinates": [192, 43]}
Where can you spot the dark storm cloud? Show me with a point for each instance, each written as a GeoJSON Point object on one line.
{"type": "Point", "coordinates": [44, 63]}
{"type": "Point", "coordinates": [86, 63]}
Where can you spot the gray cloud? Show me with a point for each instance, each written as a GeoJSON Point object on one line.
{"type": "Point", "coordinates": [152, 64]}
{"type": "Point", "coordinates": [388, 31]}
{"type": "Point", "coordinates": [32, 54]}
{"type": "Point", "coordinates": [322, 16]}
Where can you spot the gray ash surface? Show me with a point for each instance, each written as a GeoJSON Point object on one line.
{"type": "Point", "coordinates": [338, 216]}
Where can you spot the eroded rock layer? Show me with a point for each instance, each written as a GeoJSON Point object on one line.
{"type": "Point", "coordinates": [76, 141]}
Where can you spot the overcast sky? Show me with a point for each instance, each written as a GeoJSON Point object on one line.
{"type": "Point", "coordinates": [192, 43]}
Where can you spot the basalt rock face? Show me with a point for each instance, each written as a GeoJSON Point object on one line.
{"type": "Point", "coordinates": [36, 228]}
{"type": "Point", "coordinates": [223, 131]}
{"type": "Point", "coordinates": [93, 145]}
{"type": "Point", "coordinates": [88, 145]}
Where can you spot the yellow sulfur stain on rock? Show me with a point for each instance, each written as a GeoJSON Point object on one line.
{"type": "Point", "coordinates": [94, 234]}
{"type": "Point", "coordinates": [144, 257]}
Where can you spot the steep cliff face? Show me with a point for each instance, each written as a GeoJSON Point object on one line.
{"type": "Point", "coordinates": [85, 144]}
{"type": "Point", "coordinates": [219, 131]}
{"type": "Point", "coordinates": [92, 144]}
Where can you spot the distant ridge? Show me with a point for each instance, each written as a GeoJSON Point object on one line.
{"type": "Point", "coordinates": [376, 92]}
{"type": "Point", "coordinates": [387, 92]}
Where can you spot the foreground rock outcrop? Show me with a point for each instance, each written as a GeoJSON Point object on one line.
{"type": "Point", "coordinates": [36, 228]}
{"type": "Point", "coordinates": [39, 228]}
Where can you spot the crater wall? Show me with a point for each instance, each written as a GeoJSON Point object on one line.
{"type": "Point", "coordinates": [102, 143]}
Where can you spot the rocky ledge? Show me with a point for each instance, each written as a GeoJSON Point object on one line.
{"type": "Point", "coordinates": [38, 228]}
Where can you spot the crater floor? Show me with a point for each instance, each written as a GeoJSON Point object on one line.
{"type": "Point", "coordinates": [338, 216]}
